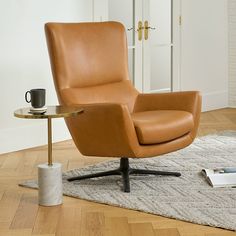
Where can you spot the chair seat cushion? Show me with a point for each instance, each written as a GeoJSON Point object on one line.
{"type": "Point", "coordinates": [153, 127]}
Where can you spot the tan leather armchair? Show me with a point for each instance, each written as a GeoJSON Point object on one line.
{"type": "Point", "coordinates": [90, 69]}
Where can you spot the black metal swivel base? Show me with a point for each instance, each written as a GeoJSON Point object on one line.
{"type": "Point", "coordinates": [125, 171]}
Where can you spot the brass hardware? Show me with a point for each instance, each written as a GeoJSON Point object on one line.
{"type": "Point", "coordinates": [180, 20]}
{"type": "Point", "coordinates": [140, 30]}
{"type": "Point", "coordinates": [146, 28]}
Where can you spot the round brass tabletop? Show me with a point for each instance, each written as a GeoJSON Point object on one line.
{"type": "Point", "coordinates": [51, 112]}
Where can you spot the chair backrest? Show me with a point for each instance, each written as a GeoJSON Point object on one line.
{"type": "Point", "coordinates": [89, 63]}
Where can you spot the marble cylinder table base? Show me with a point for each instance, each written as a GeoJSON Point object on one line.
{"type": "Point", "coordinates": [50, 184]}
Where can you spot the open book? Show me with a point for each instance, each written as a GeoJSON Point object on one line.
{"type": "Point", "coordinates": [221, 177]}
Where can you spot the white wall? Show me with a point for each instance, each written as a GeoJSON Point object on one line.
{"type": "Point", "coordinates": [24, 64]}
{"type": "Point", "coordinates": [205, 50]}
{"type": "Point", "coordinates": [232, 52]}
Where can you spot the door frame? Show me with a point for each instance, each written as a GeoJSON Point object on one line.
{"type": "Point", "coordinates": [176, 32]}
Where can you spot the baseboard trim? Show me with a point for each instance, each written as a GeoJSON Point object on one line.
{"type": "Point", "coordinates": [215, 100]}
{"type": "Point", "coordinates": [15, 139]}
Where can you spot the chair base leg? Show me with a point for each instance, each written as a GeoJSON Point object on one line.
{"type": "Point", "coordinates": [124, 170]}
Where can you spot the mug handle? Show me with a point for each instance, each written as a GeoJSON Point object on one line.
{"type": "Point", "coordinates": [26, 98]}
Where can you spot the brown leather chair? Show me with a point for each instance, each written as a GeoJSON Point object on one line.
{"type": "Point", "coordinates": [89, 66]}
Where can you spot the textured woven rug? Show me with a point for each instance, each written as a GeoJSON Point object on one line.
{"type": "Point", "coordinates": [187, 198]}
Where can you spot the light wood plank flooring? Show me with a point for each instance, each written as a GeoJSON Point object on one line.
{"type": "Point", "coordinates": [21, 215]}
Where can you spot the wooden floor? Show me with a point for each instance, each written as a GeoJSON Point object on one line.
{"type": "Point", "coordinates": [21, 215]}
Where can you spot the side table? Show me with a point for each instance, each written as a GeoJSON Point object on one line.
{"type": "Point", "coordinates": [49, 174]}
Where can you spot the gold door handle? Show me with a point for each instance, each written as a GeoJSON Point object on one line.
{"type": "Point", "coordinates": [140, 30]}
{"type": "Point", "coordinates": [146, 28]}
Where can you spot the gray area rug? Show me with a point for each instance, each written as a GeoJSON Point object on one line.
{"type": "Point", "coordinates": [187, 198]}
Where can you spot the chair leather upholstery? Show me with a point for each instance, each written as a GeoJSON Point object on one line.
{"type": "Point", "coordinates": [153, 127]}
{"type": "Point", "coordinates": [117, 92]}
{"type": "Point", "coordinates": [90, 69]}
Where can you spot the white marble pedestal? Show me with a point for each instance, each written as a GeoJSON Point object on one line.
{"type": "Point", "coordinates": [50, 184]}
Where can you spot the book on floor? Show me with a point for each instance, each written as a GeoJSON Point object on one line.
{"type": "Point", "coordinates": [221, 177]}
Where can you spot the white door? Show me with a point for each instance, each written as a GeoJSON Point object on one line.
{"type": "Point", "coordinates": [153, 40]}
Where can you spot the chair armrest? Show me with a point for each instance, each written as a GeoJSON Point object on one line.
{"type": "Point", "coordinates": [186, 101]}
{"type": "Point", "coordinates": [189, 101]}
{"type": "Point", "coordinates": [103, 129]}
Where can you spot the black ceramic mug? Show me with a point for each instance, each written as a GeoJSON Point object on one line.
{"type": "Point", "coordinates": [37, 97]}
